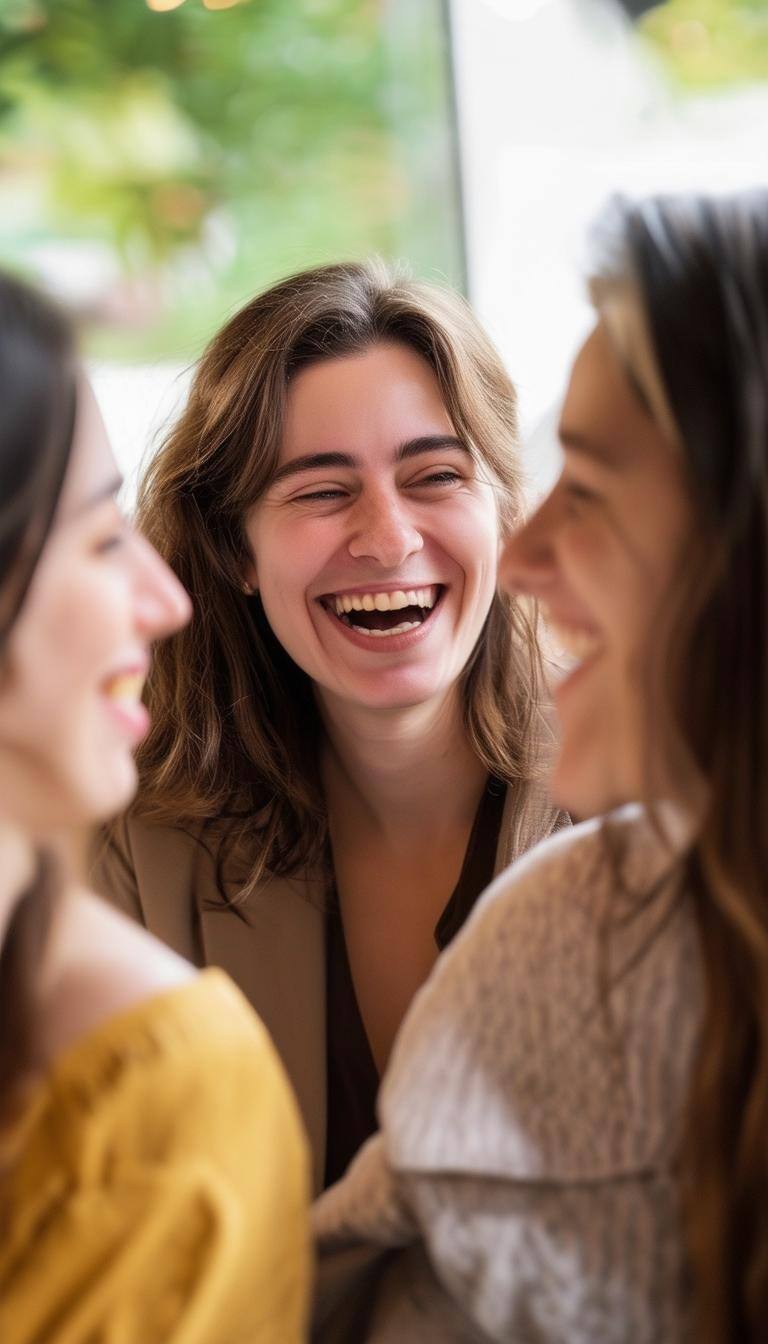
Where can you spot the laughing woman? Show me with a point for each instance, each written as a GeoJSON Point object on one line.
{"type": "Point", "coordinates": [153, 1172]}
{"type": "Point", "coordinates": [346, 741]}
{"type": "Point", "coordinates": [575, 1120]}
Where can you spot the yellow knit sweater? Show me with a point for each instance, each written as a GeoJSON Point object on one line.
{"type": "Point", "coordinates": [158, 1187]}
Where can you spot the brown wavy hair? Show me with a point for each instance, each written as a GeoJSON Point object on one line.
{"type": "Point", "coordinates": [235, 732]}
{"type": "Point", "coordinates": [696, 270]}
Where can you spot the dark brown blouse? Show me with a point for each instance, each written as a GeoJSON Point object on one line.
{"type": "Point", "coordinates": [353, 1080]}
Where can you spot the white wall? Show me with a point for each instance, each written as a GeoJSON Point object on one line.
{"type": "Point", "coordinates": [138, 402]}
{"type": "Point", "coordinates": [559, 106]}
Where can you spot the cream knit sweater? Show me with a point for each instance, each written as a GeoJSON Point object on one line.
{"type": "Point", "coordinates": [530, 1118]}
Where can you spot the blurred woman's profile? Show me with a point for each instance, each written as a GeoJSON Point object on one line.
{"type": "Point", "coordinates": [573, 1126]}
{"type": "Point", "coordinates": [153, 1173]}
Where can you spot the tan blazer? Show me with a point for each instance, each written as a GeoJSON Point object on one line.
{"type": "Point", "coordinates": [273, 946]}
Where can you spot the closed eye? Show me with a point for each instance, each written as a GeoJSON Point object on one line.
{"type": "Point", "coordinates": [110, 543]}
{"type": "Point", "coordinates": [112, 531]}
{"type": "Point", "coordinates": [445, 477]}
{"type": "Point", "coordinates": [576, 491]}
{"type": "Point", "coordinates": [315, 495]}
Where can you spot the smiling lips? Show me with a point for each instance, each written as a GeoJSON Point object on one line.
{"type": "Point", "coordinates": [122, 694]}
{"type": "Point", "coordinates": [382, 614]}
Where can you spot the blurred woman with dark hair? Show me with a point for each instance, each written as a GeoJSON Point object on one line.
{"type": "Point", "coordinates": [574, 1137]}
{"type": "Point", "coordinates": [347, 740]}
{"type": "Point", "coordinates": [152, 1167]}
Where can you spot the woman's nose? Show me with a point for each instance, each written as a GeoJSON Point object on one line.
{"type": "Point", "coordinates": [526, 564]}
{"type": "Point", "coordinates": [384, 532]}
{"type": "Point", "coordinates": [162, 605]}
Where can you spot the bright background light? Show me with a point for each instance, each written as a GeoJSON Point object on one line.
{"type": "Point", "coordinates": [159, 165]}
{"type": "Point", "coordinates": [561, 103]}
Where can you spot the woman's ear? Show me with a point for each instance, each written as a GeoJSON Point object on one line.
{"type": "Point", "coordinates": [250, 583]}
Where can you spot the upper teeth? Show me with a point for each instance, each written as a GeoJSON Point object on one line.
{"type": "Point", "coordinates": [412, 597]}
{"type": "Point", "coordinates": [572, 640]}
{"type": "Point", "coordinates": [125, 686]}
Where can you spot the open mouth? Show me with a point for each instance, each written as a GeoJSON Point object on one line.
{"type": "Point", "coordinates": [124, 688]}
{"type": "Point", "coordinates": [381, 615]}
{"type": "Point", "coordinates": [571, 646]}
{"type": "Point", "coordinates": [122, 695]}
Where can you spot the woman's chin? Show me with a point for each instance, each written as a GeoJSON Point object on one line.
{"type": "Point", "coordinates": [582, 787]}
{"type": "Point", "coordinates": [113, 794]}
{"type": "Point", "coordinates": [390, 690]}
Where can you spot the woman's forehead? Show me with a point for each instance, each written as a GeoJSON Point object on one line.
{"type": "Point", "coordinates": [387, 390]}
{"type": "Point", "coordinates": [602, 411]}
{"type": "Point", "coordinates": [92, 467]}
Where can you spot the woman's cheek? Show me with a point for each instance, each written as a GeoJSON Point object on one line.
{"type": "Point", "coordinates": [583, 553]}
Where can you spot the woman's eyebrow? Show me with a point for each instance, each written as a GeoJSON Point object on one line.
{"type": "Point", "coordinates": [313, 462]}
{"type": "Point", "coordinates": [426, 443]}
{"type": "Point", "coordinates": [107, 491]}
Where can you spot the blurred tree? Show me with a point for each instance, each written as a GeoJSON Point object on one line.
{"type": "Point", "coordinates": [710, 43]}
{"type": "Point", "coordinates": [215, 150]}
{"type": "Point", "coordinates": [149, 120]}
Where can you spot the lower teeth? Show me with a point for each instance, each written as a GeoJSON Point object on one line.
{"type": "Point", "coordinates": [378, 634]}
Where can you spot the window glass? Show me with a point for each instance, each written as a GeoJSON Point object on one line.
{"type": "Point", "coordinates": [562, 102]}
{"type": "Point", "coordinates": [161, 160]}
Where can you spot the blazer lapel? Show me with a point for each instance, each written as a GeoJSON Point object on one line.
{"type": "Point", "coordinates": [273, 947]}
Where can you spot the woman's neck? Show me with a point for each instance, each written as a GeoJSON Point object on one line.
{"type": "Point", "coordinates": [401, 771]}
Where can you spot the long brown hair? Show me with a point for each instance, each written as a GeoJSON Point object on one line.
{"type": "Point", "coordinates": [697, 271]}
{"type": "Point", "coordinates": [37, 393]}
{"type": "Point", "coordinates": [235, 730]}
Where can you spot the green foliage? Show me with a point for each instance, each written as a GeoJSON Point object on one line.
{"type": "Point", "coordinates": [148, 120]}
{"type": "Point", "coordinates": [215, 150]}
{"type": "Point", "coordinates": [709, 44]}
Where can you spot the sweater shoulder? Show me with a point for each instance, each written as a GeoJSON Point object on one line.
{"type": "Point", "coordinates": [542, 1020]}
